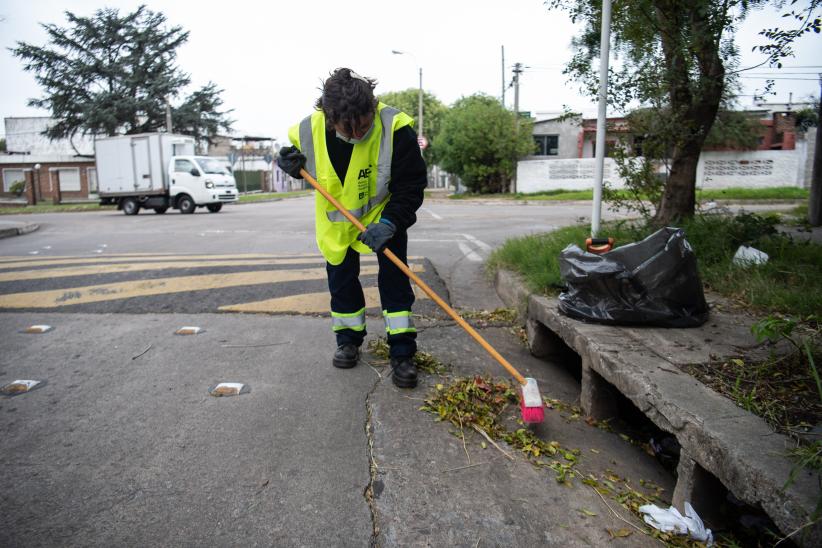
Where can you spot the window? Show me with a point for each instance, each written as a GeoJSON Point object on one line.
{"type": "Point", "coordinates": [91, 175]}
{"type": "Point", "coordinates": [69, 179]}
{"type": "Point", "coordinates": [547, 145]}
{"type": "Point", "coordinates": [11, 176]}
{"type": "Point", "coordinates": [183, 166]}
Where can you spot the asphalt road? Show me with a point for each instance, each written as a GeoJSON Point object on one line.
{"type": "Point", "coordinates": [121, 443]}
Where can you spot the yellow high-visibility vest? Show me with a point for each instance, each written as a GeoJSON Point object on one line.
{"type": "Point", "coordinates": [365, 191]}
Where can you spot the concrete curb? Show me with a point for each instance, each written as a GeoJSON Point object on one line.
{"type": "Point", "coordinates": [721, 443]}
{"type": "Point", "coordinates": [18, 230]}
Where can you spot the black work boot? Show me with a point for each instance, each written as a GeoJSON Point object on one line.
{"type": "Point", "coordinates": [346, 356]}
{"type": "Point", "coordinates": [404, 372]}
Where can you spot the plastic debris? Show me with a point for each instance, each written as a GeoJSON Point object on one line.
{"type": "Point", "coordinates": [18, 387]}
{"type": "Point", "coordinates": [651, 282]}
{"type": "Point", "coordinates": [37, 329]}
{"type": "Point", "coordinates": [671, 521]}
{"type": "Point", "coordinates": [189, 330]}
{"type": "Point", "coordinates": [224, 389]}
{"type": "Point", "coordinates": [746, 256]}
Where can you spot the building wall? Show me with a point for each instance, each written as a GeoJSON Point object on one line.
{"type": "Point", "coordinates": [44, 181]}
{"type": "Point", "coordinates": [576, 174]}
{"type": "Point", "coordinates": [25, 135]}
{"type": "Point", "coordinates": [749, 169]}
{"type": "Point", "coordinates": [568, 132]}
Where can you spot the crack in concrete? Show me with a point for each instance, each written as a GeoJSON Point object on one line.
{"type": "Point", "coordinates": [368, 492]}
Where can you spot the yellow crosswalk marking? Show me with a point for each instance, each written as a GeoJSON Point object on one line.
{"type": "Point", "coordinates": [308, 303]}
{"type": "Point", "coordinates": [87, 270]}
{"type": "Point", "coordinates": [144, 288]}
{"type": "Point", "coordinates": [20, 262]}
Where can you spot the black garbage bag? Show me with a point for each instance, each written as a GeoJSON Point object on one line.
{"type": "Point", "coordinates": [652, 282]}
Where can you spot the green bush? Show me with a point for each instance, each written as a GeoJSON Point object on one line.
{"type": "Point", "coordinates": [17, 187]}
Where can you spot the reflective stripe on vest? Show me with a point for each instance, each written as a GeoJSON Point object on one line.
{"type": "Point", "coordinates": [344, 320]}
{"type": "Point", "coordinates": [307, 144]}
{"type": "Point", "coordinates": [398, 322]}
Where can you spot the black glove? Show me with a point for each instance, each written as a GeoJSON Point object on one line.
{"type": "Point", "coordinates": [291, 160]}
{"type": "Point", "coordinates": [376, 236]}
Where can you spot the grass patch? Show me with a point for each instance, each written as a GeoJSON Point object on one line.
{"type": "Point", "coordinates": [50, 208]}
{"type": "Point", "coordinates": [769, 193]}
{"type": "Point", "coordinates": [790, 283]}
{"type": "Point", "coordinates": [264, 196]}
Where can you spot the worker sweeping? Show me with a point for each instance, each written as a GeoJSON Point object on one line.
{"type": "Point", "coordinates": [366, 155]}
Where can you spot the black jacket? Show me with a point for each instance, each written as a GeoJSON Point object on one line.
{"type": "Point", "coordinates": [408, 174]}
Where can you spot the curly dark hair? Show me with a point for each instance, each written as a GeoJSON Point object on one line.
{"type": "Point", "coordinates": [346, 97]}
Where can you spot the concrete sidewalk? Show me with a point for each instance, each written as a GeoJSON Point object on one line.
{"type": "Point", "coordinates": [10, 228]}
{"type": "Point", "coordinates": [722, 445]}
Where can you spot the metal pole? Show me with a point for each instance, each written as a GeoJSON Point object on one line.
{"type": "Point", "coordinates": [420, 107]}
{"type": "Point", "coordinates": [517, 70]}
{"type": "Point", "coordinates": [815, 200]}
{"type": "Point", "coordinates": [599, 164]}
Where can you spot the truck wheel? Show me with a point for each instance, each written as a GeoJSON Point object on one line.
{"type": "Point", "coordinates": [160, 210]}
{"type": "Point", "coordinates": [131, 206]}
{"type": "Point", "coordinates": [186, 204]}
{"type": "Point", "coordinates": [214, 208]}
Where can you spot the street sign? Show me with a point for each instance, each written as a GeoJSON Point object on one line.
{"type": "Point", "coordinates": [423, 142]}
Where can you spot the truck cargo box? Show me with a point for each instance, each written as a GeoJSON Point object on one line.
{"type": "Point", "coordinates": [130, 164]}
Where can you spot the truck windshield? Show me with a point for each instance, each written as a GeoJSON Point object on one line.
{"type": "Point", "coordinates": [210, 165]}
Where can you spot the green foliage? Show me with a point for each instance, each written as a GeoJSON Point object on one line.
{"type": "Point", "coordinates": [433, 112]}
{"type": "Point", "coordinates": [2, 145]}
{"type": "Point", "coordinates": [679, 59]}
{"type": "Point", "coordinates": [110, 73]}
{"type": "Point", "coordinates": [17, 187]}
{"type": "Point", "coordinates": [807, 118]}
{"type": "Point", "coordinates": [478, 143]}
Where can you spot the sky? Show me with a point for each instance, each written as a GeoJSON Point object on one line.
{"type": "Point", "coordinates": [271, 56]}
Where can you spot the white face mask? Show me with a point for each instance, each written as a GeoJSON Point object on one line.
{"type": "Point", "coordinates": [354, 141]}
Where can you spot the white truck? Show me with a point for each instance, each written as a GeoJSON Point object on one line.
{"type": "Point", "coordinates": [158, 171]}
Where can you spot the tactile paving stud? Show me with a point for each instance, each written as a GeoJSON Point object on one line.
{"type": "Point", "coordinates": [189, 330]}
{"type": "Point", "coordinates": [18, 387]}
{"type": "Point", "coordinates": [224, 389]}
{"type": "Point", "coordinates": [37, 329]}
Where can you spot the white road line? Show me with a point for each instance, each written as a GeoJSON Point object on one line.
{"type": "Point", "coordinates": [434, 215]}
{"type": "Point", "coordinates": [469, 253]}
{"type": "Point", "coordinates": [479, 243]}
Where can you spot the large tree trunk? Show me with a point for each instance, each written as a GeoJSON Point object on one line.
{"type": "Point", "coordinates": [694, 103]}
{"type": "Point", "coordinates": [815, 202]}
{"type": "Point", "coordinates": [679, 196]}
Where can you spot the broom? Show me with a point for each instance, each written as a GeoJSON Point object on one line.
{"type": "Point", "coordinates": [530, 404]}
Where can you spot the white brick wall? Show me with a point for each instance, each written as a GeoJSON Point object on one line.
{"type": "Point", "coordinates": [758, 168]}
{"type": "Point", "coordinates": [751, 169]}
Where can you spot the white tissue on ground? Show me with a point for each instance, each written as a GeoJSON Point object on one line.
{"type": "Point", "coordinates": [671, 521]}
{"type": "Point", "coordinates": [746, 256]}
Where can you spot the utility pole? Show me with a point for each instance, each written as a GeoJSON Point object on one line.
{"type": "Point", "coordinates": [503, 75]}
{"type": "Point", "coordinates": [815, 201]}
{"type": "Point", "coordinates": [517, 71]}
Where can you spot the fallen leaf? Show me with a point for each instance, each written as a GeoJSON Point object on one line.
{"type": "Point", "coordinates": [587, 512]}
{"type": "Point", "coordinates": [619, 533]}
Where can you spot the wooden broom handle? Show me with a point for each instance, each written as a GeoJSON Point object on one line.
{"type": "Point", "coordinates": [421, 284]}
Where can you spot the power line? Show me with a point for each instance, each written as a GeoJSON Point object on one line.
{"type": "Point", "coordinates": [770, 78]}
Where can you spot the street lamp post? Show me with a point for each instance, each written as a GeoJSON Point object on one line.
{"type": "Point", "coordinates": [419, 107]}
